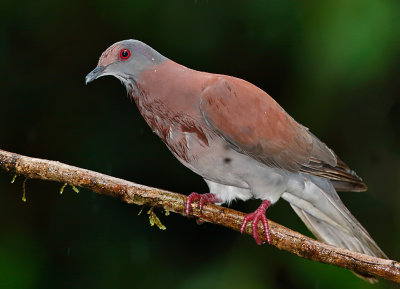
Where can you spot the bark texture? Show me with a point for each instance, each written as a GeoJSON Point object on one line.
{"type": "Point", "coordinates": [131, 193]}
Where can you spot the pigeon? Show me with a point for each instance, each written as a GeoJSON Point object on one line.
{"type": "Point", "coordinates": [241, 141]}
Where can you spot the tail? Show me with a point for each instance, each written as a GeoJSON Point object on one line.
{"type": "Point", "coordinates": [325, 215]}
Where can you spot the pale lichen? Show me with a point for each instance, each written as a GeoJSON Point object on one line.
{"type": "Point", "coordinates": [76, 190]}
{"type": "Point", "coordinates": [62, 188]}
{"type": "Point", "coordinates": [24, 190]}
{"type": "Point", "coordinates": [155, 220]}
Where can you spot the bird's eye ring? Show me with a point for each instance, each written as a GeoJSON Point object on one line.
{"type": "Point", "coordinates": [124, 54]}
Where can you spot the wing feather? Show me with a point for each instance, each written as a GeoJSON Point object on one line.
{"type": "Point", "coordinates": [256, 125]}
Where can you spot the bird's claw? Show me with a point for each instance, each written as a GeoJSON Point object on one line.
{"type": "Point", "coordinates": [203, 199]}
{"type": "Point", "coordinates": [255, 217]}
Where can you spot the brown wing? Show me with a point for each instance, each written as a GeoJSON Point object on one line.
{"type": "Point", "coordinates": [342, 177]}
{"type": "Point", "coordinates": [254, 124]}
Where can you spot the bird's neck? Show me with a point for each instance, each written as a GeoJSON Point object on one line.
{"type": "Point", "coordinates": [152, 109]}
{"type": "Point", "coordinates": [168, 98]}
{"type": "Point", "coordinates": [161, 92]}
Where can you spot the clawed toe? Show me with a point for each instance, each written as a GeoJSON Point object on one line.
{"type": "Point", "coordinates": [203, 199]}
{"type": "Point", "coordinates": [255, 218]}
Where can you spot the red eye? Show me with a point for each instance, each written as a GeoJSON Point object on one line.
{"type": "Point", "coordinates": [124, 54]}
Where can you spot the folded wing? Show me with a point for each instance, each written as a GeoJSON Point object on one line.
{"type": "Point", "coordinates": [256, 125]}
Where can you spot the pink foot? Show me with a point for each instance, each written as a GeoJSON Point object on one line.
{"type": "Point", "coordinates": [204, 198]}
{"type": "Point", "coordinates": [255, 217]}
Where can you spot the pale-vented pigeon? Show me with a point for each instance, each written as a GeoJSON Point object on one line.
{"type": "Point", "coordinates": [241, 142]}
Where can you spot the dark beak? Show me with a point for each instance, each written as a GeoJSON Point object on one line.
{"type": "Point", "coordinates": [95, 73]}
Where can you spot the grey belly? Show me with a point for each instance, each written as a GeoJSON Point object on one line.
{"type": "Point", "coordinates": [219, 164]}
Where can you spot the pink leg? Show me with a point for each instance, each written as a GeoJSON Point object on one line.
{"type": "Point", "coordinates": [257, 216]}
{"type": "Point", "coordinates": [203, 199]}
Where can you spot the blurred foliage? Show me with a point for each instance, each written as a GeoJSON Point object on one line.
{"type": "Point", "coordinates": [333, 65]}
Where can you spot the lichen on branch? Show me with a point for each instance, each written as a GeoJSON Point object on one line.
{"type": "Point", "coordinates": [131, 193]}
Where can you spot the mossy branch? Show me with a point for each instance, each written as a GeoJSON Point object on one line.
{"type": "Point", "coordinates": [131, 193]}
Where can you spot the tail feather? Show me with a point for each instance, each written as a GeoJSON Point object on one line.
{"type": "Point", "coordinates": [331, 235]}
{"type": "Point", "coordinates": [325, 215]}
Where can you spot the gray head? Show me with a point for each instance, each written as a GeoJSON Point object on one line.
{"type": "Point", "coordinates": [126, 60]}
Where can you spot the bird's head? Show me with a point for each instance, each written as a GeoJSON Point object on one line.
{"type": "Point", "coordinates": [126, 60]}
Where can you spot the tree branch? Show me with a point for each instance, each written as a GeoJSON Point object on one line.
{"type": "Point", "coordinates": [131, 193]}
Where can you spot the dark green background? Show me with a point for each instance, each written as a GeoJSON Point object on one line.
{"type": "Point", "coordinates": [333, 65]}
